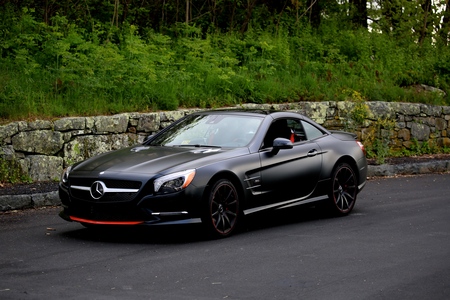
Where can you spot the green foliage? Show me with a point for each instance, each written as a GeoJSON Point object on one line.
{"type": "Point", "coordinates": [87, 66]}
{"type": "Point", "coordinates": [378, 150]}
{"type": "Point", "coordinates": [420, 148]}
{"type": "Point", "coordinates": [60, 58]}
{"type": "Point", "coordinates": [11, 172]}
{"type": "Point", "coordinates": [423, 148]}
{"type": "Point", "coordinates": [378, 139]}
{"type": "Point", "coordinates": [360, 111]}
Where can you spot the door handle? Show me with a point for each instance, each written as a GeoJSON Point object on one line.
{"type": "Point", "coordinates": [312, 153]}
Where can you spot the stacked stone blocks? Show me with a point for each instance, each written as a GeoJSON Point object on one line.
{"type": "Point", "coordinates": [43, 147]}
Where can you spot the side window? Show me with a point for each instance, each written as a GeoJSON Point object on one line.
{"type": "Point", "coordinates": [298, 133]}
{"type": "Point", "coordinates": [311, 131]}
{"type": "Point", "coordinates": [290, 129]}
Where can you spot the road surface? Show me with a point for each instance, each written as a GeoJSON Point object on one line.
{"type": "Point", "coordinates": [395, 245]}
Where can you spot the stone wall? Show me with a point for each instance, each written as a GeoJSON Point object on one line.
{"type": "Point", "coordinates": [43, 148]}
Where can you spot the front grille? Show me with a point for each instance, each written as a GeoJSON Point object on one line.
{"type": "Point", "coordinates": [108, 197]}
{"type": "Point", "coordinates": [82, 181]}
{"type": "Point", "coordinates": [83, 185]}
{"type": "Point", "coordinates": [111, 183]}
{"type": "Point", "coordinates": [122, 184]}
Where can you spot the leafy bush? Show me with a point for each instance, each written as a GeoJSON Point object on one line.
{"type": "Point", "coordinates": [67, 68]}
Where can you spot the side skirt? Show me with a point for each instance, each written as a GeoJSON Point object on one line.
{"type": "Point", "coordinates": [285, 204]}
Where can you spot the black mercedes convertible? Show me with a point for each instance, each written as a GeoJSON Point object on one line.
{"type": "Point", "coordinates": [216, 167]}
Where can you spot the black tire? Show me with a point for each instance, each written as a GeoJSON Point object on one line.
{"type": "Point", "coordinates": [344, 189]}
{"type": "Point", "coordinates": [222, 212]}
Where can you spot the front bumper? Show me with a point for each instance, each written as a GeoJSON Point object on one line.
{"type": "Point", "coordinates": [175, 208]}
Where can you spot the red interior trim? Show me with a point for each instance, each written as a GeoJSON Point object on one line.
{"type": "Point", "coordinates": [105, 222]}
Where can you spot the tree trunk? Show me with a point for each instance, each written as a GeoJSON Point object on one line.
{"type": "Point", "coordinates": [233, 11]}
{"type": "Point", "coordinates": [358, 10]}
{"type": "Point", "coordinates": [427, 10]}
{"type": "Point", "coordinates": [187, 12]}
{"type": "Point", "coordinates": [445, 27]}
{"type": "Point", "coordinates": [314, 13]}
{"type": "Point", "coordinates": [250, 5]}
{"type": "Point", "coordinates": [115, 19]}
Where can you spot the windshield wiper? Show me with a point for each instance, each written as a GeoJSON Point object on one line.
{"type": "Point", "coordinates": [197, 146]}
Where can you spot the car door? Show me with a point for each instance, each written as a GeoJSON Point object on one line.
{"type": "Point", "coordinates": [288, 173]}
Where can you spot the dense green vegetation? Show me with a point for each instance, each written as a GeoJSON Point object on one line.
{"type": "Point", "coordinates": [87, 57]}
{"type": "Point", "coordinates": [60, 58]}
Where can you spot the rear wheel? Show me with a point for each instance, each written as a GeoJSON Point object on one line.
{"type": "Point", "coordinates": [222, 212]}
{"type": "Point", "coordinates": [344, 189]}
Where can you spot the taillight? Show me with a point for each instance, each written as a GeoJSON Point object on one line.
{"type": "Point", "coordinates": [361, 146]}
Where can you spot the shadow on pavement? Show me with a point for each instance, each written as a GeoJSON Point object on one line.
{"type": "Point", "coordinates": [192, 233]}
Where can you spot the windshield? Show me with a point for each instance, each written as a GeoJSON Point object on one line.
{"type": "Point", "coordinates": [210, 130]}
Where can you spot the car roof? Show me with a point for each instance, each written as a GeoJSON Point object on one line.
{"type": "Point", "coordinates": [236, 110]}
{"type": "Point", "coordinates": [250, 112]}
{"type": "Point", "coordinates": [275, 114]}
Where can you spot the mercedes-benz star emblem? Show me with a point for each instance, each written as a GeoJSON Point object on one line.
{"type": "Point", "coordinates": [97, 190]}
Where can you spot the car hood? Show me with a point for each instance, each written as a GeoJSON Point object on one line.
{"type": "Point", "coordinates": [151, 159]}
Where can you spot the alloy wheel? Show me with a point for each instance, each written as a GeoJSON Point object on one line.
{"type": "Point", "coordinates": [223, 208]}
{"type": "Point", "coordinates": [344, 189]}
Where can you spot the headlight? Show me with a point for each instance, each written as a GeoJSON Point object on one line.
{"type": "Point", "coordinates": [174, 182]}
{"type": "Point", "coordinates": [65, 175]}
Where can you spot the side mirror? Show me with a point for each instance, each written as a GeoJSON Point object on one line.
{"type": "Point", "coordinates": [281, 143]}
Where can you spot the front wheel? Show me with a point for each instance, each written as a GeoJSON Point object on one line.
{"type": "Point", "coordinates": [344, 189]}
{"type": "Point", "coordinates": [222, 211]}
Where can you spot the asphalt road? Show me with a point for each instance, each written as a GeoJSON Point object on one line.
{"type": "Point", "coordinates": [395, 245]}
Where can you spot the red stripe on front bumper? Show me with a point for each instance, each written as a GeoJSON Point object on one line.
{"type": "Point", "coordinates": [105, 222]}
